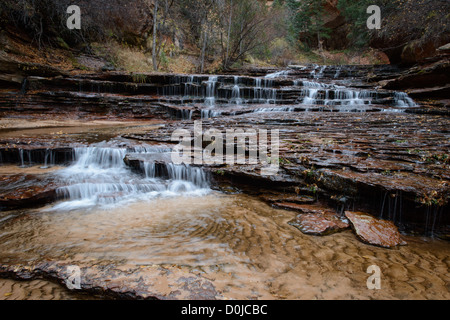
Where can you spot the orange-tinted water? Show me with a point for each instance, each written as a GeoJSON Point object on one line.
{"type": "Point", "coordinates": [243, 245]}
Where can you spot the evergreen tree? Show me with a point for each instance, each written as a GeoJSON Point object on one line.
{"type": "Point", "coordinates": [306, 21]}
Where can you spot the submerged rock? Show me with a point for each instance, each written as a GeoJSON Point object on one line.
{"type": "Point", "coordinates": [374, 231]}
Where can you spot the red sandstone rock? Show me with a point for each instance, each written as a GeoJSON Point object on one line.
{"type": "Point", "coordinates": [374, 231]}
{"type": "Point", "coordinates": [319, 224]}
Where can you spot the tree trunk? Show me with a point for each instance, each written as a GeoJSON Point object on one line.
{"type": "Point", "coordinates": [229, 35]}
{"type": "Point", "coordinates": [155, 30]}
{"type": "Point", "coordinates": [205, 39]}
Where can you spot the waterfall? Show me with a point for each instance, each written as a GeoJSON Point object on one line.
{"type": "Point", "coordinates": [23, 89]}
{"type": "Point", "coordinates": [318, 85]}
{"type": "Point", "coordinates": [196, 177]}
{"type": "Point", "coordinates": [265, 94]}
{"type": "Point", "coordinates": [236, 92]}
{"type": "Point", "coordinates": [99, 176]}
{"type": "Point", "coordinates": [311, 96]}
{"type": "Point", "coordinates": [320, 74]}
{"type": "Point", "coordinates": [210, 99]}
{"type": "Point", "coordinates": [49, 159]}
{"type": "Point", "coordinates": [219, 92]}
{"type": "Point", "coordinates": [257, 91]}
{"type": "Point", "coordinates": [338, 72]}
{"type": "Point", "coordinates": [209, 113]}
{"type": "Point", "coordinates": [282, 109]}
{"type": "Point", "coordinates": [236, 95]}
{"type": "Point", "coordinates": [25, 154]}
{"type": "Point", "coordinates": [185, 114]}
{"type": "Point", "coordinates": [277, 74]}
{"type": "Point", "coordinates": [191, 87]}
{"type": "Point", "coordinates": [403, 100]}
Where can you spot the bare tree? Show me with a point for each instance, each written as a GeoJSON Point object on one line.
{"type": "Point", "coordinates": [250, 21]}
{"type": "Point", "coordinates": [155, 31]}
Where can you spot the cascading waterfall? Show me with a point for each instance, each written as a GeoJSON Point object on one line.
{"type": "Point", "coordinates": [184, 177]}
{"type": "Point", "coordinates": [280, 109]}
{"type": "Point", "coordinates": [310, 96]}
{"type": "Point", "coordinates": [277, 74]}
{"type": "Point", "coordinates": [320, 73]}
{"type": "Point", "coordinates": [49, 159]}
{"type": "Point", "coordinates": [228, 94]}
{"type": "Point", "coordinates": [403, 100]}
{"type": "Point", "coordinates": [236, 92]}
{"type": "Point", "coordinates": [191, 87]}
{"type": "Point", "coordinates": [265, 94]}
{"type": "Point", "coordinates": [338, 72]}
{"type": "Point", "coordinates": [99, 176]}
{"type": "Point", "coordinates": [317, 93]}
{"type": "Point", "coordinates": [209, 113]}
{"type": "Point", "coordinates": [210, 99]}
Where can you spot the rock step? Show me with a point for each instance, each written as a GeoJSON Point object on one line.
{"type": "Point", "coordinates": [30, 155]}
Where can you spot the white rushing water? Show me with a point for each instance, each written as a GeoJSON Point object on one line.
{"type": "Point", "coordinates": [100, 177]}
{"type": "Point", "coordinates": [320, 88]}
{"type": "Point", "coordinates": [277, 74]}
{"type": "Point", "coordinates": [210, 99]}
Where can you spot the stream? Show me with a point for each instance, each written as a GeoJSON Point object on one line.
{"type": "Point", "coordinates": [95, 210]}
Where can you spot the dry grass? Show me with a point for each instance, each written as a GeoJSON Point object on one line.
{"type": "Point", "coordinates": [124, 57]}
{"type": "Point", "coordinates": [350, 57]}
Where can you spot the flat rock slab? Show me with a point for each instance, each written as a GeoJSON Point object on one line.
{"type": "Point", "coordinates": [319, 222]}
{"type": "Point", "coordinates": [374, 231]}
{"type": "Point", "coordinates": [283, 198]}
{"type": "Point", "coordinates": [287, 205]}
{"type": "Point", "coordinates": [153, 282]}
{"type": "Point", "coordinates": [26, 191]}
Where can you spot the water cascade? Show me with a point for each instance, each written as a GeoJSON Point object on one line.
{"type": "Point", "coordinates": [339, 89]}
{"type": "Point", "coordinates": [99, 176]}
{"type": "Point", "coordinates": [211, 91]}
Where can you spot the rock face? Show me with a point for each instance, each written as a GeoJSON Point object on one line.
{"type": "Point", "coordinates": [428, 76]}
{"type": "Point", "coordinates": [335, 21]}
{"type": "Point", "coordinates": [374, 231]}
{"type": "Point", "coordinates": [425, 81]}
{"type": "Point", "coordinates": [412, 31]}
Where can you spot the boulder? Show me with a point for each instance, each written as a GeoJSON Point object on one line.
{"type": "Point", "coordinates": [417, 51]}
{"type": "Point", "coordinates": [319, 224]}
{"type": "Point", "coordinates": [374, 231]}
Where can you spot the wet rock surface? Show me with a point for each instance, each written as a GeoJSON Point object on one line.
{"type": "Point", "coordinates": [319, 221]}
{"type": "Point", "coordinates": [374, 231]}
{"type": "Point", "coordinates": [388, 164]}
{"type": "Point", "coordinates": [345, 146]}
{"type": "Point", "coordinates": [24, 191]}
{"type": "Point", "coordinates": [121, 282]}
